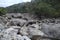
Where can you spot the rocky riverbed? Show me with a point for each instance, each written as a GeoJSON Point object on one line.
{"type": "Point", "coordinates": [20, 27]}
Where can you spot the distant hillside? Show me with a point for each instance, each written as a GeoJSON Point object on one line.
{"type": "Point", "coordinates": [17, 8]}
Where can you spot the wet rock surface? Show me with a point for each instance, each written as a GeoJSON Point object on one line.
{"type": "Point", "coordinates": [17, 27]}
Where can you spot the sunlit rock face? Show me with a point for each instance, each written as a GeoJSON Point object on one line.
{"type": "Point", "coordinates": [11, 34]}
{"type": "Point", "coordinates": [19, 27]}
{"type": "Point", "coordinates": [31, 30]}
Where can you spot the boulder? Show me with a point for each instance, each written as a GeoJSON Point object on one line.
{"type": "Point", "coordinates": [51, 30]}
{"type": "Point", "coordinates": [11, 34]}
{"type": "Point", "coordinates": [2, 27]}
{"type": "Point", "coordinates": [16, 22]}
{"type": "Point", "coordinates": [3, 20]}
{"type": "Point", "coordinates": [31, 30]}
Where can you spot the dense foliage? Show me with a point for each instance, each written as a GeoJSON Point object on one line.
{"type": "Point", "coordinates": [45, 8]}
{"type": "Point", "coordinates": [2, 11]}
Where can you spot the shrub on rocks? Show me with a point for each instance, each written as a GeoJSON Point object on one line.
{"type": "Point", "coordinates": [2, 11]}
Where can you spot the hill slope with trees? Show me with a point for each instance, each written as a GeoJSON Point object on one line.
{"type": "Point", "coordinates": [39, 8]}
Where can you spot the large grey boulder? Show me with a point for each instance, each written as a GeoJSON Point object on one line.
{"type": "Point", "coordinates": [3, 20]}
{"type": "Point", "coordinates": [16, 22]}
{"type": "Point", "coordinates": [2, 27]}
{"type": "Point", "coordinates": [14, 15]}
{"type": "Point", "coordinates": [52, 30]}
{"type": "Point", "coordinates": [31, 30]}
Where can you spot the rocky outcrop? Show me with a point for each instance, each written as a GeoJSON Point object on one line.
{"type": "Point", "coordinates": [11, 34]}
{"type": "Point", "coordinates": [18, 27]}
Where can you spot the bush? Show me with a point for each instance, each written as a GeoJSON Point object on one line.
{"type": "Point", "coordinates": [2, 11]}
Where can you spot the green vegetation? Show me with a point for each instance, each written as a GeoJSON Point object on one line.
{"type": "Point", "coordinates": [46, 8]}
{"type": "Point", "coordinates": [2, 11]}
{"type": "Point", "coordinates": [17, 8]}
